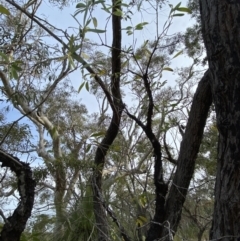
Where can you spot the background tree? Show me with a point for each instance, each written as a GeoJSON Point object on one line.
{"type": "Point", "coordinates": [128, 153]}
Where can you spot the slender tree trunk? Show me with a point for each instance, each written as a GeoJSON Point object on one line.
{"type": "Point", "coordinates": [117, 108]}
{"type": "Point", "coordinates": [221, 33]}
{"type": "Point", "coordinates": [15, 224]}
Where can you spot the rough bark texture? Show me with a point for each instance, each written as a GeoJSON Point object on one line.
{"type": "Point", "coordinates": [15, 224]}
{"type": "Point", "coordinates": [185, 167]}
{"type": "Point", "coordinates": [117, 108]}
{"type": "Point", "coordinates": [221, 33]}
{"type": "Point", "coordinates": [186, 161]}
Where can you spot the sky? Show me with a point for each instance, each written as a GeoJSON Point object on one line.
{"type": "Point", "coordinates": [63, 19]}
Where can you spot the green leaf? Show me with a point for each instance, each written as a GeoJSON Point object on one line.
{"type": "Point", "coordinates": [143, 200]}
{"type": "Point", "coordinates": [118, 12]}
{"type": "Point", "coordinates": [124, 5]}
{"type": "Point", "coordinates": [81, 5]}
{"type": "Point", "coordinates": [97, 2]}
{"type": "Point", "coordinates": [95, 30]}
{"type": "Point", "coordinates": [177, 6]}
{"type": "Point", "coordinates": [172, 9]}
{"type": "Point", "coordinates": [88, 148]}
{"type": "Point", "coordinates": [137, 57]}
{"type": "Point", "coordinates": [87, 86]}
{"type": "Point", "coordinates": [89, 20]}
{"type": "Point", "coordinates": [77, 12]}
{"type": "Point", "coordinates": [94, 22]}
{"type": "Point", "coordinates": [183, 9]}
{"type": "Point", "coordinates": [85, 14]}
{"type": "Point", "coordinates": [125, 63]}
{"type": "Point", "coordinates": [71, 61]}
{"type": "Point", "coordinates": [177, 54]}
{"type": "Point", "coordinates": [80, 87]}
{"type": "Point", "coordinates": [156, 108]}
{"type": "Point", "coordinates": [145, 43]}
{"type": "Point", "coordinates": [101, 133]}
{"type": "Point", "coordinates": [144, 23]}
{"type": "Point", "coordinates": [168, 69]}
{"type": "Point", "coordinates": [128, 28]}
{"type": "Point", "coordinates": [141, 220]}
{"type": "Point", "coordinates": [16, 67]}
{"type": "Point", "coordinates": [14, 73]}
{"type": "Point", "coordinates": [4, 10]}
{"type": "Point", "coordinates": [140, 25]}
{"type": "Point", "coordinates": [4, 56]}
{"type": "Point", "coordinates": [178, 15]}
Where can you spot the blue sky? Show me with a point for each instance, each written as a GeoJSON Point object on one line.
{"type": "Point", "coordinates": [62, 19]}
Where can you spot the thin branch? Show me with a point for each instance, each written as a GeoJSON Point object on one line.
{"type": "Point", "coordinates": [26, 111]}
{"type": "Point", "coordinates": [170, 158]}
{"type": "Point", "coordinates": [74, 55]}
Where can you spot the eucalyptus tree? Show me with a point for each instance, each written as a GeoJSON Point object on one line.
{"type": "Point", "coordinates": [158, 111]}
{"type": "Point", "coordinates": [220, 33]}
{"type": "Point", "coordinates": [30, 72]}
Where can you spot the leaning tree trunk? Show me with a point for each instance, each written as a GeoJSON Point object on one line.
{"type": "Point", "coordinates": [185, 165]}
{"type": "Point", "coordinates": [15, 224]}
{"type": "Point", "coordinates": [221, 33]}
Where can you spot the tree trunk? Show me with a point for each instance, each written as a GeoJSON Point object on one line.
{"type": "Point", "coordinates": [15, 224]}
{"type": "Point", "coordinates": [221, 33]}
{"type": "Point", "coordinates": [112, 131]}
{"type": "Point", "coordinates": [186, 162]}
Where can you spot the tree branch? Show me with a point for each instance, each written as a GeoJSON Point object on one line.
{"type": "Point", "coordinates": [74, 55]}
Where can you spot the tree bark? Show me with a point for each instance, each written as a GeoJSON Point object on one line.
{"type": "Point", "coordinates": [221, 34]}
{"type": "Point", "coordinates": [117, 109]}
{"type": "Point", "coordinates": [186, 162]}
{"type": "Point", "coordinates": [15, 224]}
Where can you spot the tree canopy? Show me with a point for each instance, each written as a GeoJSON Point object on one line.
{"type": "Point", "coordinates": [143, 162]}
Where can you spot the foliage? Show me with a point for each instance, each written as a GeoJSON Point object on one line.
{"type": "Point", "coordinates": [98, 171]}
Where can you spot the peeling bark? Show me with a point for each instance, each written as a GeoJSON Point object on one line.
{"type": "Point", "coordinates": [221, 34]}
{"type": "Point", "coordinates": [15, 224]}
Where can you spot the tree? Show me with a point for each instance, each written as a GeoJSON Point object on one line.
{"type": "Point", "coordinates": [155, 104]}
{"type": "Point", "coordinates": [220, 34]}
{"type": "Point", "coordinates": [197, 213]}
{"type": "Point", "coordinates": [15, 224]}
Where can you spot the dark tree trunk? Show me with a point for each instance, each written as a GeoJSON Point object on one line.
{"type": "Point", "coordinates": [188, 153]}
{"type": "Point", "coordinates": [185, 167]}
{"type": "Point", "coordinates": [15, 224]}
{"type": "Point", "coordinates": [221, 33]}
{"type": "Point", "coordinates": [115, 101]}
